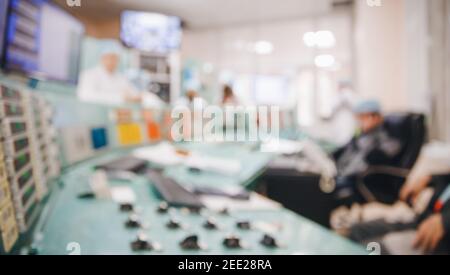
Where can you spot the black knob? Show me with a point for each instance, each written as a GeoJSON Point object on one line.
{"type": "Point", "coordinates": [210, 224]}
{"type": "Point", "coordinates": [141, 243]}
{"type": "Point", "coordinates": [126, 207]}
{"type": "Point", "coordinates": [190, 243]}
{"type": "Point", "coordinates": [133, 222]}
{"type": "Point", "coordinates": [163, 208]}
{"type": "Point", "coordinates": [269, 241]}
{"type": "Point", "coordinates": [232, 242]}
{"type": "Point", "coordinates": [245, 225]}
{"type": "Point", "coordinates": [173, 224]}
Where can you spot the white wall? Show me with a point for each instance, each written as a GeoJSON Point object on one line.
{"type": "Point", "coordinates": [392, 53]}
{"type": "Point", "coordinates": [224, 47]}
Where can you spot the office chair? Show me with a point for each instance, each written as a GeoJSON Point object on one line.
{"type": "Point", "coordinates": [383, 183]}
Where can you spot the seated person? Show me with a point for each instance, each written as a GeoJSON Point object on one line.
{"type": "Point", "coordinates": [372, 146]}
{"type": "Point", "coordinates": [431, 228]}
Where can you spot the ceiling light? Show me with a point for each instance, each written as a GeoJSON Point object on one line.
{"type": "Point", "coordinates": [324, 61]}
{"type": "Point", "coordinates": [325, 39]}
{"type": "Point", "coordinates": [309, 39]}
{"type": "Point", "coordinates": [263, 47]}
{"type": "Point", "coordinates": [320, 39]}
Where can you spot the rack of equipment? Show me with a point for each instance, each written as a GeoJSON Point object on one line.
{"type": "Point", "coordinates": [28, 162]}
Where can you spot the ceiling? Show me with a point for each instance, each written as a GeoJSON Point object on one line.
{"type": "Point", "coordinates": [208, 13]}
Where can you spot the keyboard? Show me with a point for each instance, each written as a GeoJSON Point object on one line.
{"type": "Point", "coordinates": [173, 193]}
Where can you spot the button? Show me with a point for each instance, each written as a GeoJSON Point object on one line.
{"type": "Point", "coordinates": [232, 242]}
{"type": "Point", "coordinates": [126, 207]}
{"type": "Point", "coordinates": [190, 243]}
{"type": "Point", "coordinates": [173, 224]}
{"type": "Point", "coordinates": [133, 222]}
{"type": "Point", "coordinates": [163, 208]}
{"type": "Point", "coordinates": [269, 241]}
{"type": "Point", "coordinates": [210, 224]}
{"type": "Point", "coordinates": [245, 225]}
{"type": "Point", "coordinates": [141, 243]}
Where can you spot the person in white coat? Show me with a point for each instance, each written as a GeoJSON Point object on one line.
{"type": "Point", "coordinates": [103, 84]}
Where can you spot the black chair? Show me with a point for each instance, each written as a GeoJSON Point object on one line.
{"type": "Point", "coordinates": [301, 192]}
{"type": "Point", "coordinates": [383, 183]}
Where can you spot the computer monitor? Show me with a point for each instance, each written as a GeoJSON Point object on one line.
{"type": "Point", "coordinates": [43, 41]}
{"type": "Point", "coordinates": [151, 32]}
{"type": "Point", "coordinates": [4, 4]}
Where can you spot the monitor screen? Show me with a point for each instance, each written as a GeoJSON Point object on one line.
{"type": "Point", "coordinates": [151, 32]}
{"type": "Point", "coordinates": [43, 41]}
{"type": "Point", "coordinates": [3, 15]}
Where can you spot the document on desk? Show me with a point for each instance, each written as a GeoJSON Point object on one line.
{"type": "Point", "coordinates": [164, 154]}
{"type": "Point", "coordinates": [282, 146]}
{"type": "Point", "coordinates": [227, 167]}
{"type": "Point", "coordinates": [255, 202]}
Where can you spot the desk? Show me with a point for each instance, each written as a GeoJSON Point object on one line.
{"type": "Point", "coordinates": [98, 225]}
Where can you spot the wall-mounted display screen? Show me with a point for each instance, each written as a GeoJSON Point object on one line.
{"type": "Point", "coordinates": [3, 17]}
{"type": "Point", "coordinates": [151, 32]}
{"type": "Point", "coordinates": [43, 41]}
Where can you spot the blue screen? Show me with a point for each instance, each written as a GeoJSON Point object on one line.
{"type": "Point", "coordinates": [43, 40]}
{"type": "Point", "coordinates": [3, 15]}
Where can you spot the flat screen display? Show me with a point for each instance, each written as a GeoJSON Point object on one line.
{"type": "Point", "coordinates": [3, 16]}
{"type": "Point", "coordinates": [151, 32]}
{"type": "Point", "coordinates": [43, 41]}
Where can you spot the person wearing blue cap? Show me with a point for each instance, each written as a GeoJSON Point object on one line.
{"type": "Point", "coordinates": [371, 146]}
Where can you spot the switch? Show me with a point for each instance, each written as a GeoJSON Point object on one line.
{"type": "Point", "coordinates": [133, 221]}
{"type": "Point", "coordinates": [244, 225]}
{"type": "Point", "coordinates": [126, 207]}
{"type": "Point", "coordinates": [210, 224]}
{"type": "Point", "coordinates": [269, 241]}
{"type": "Point", "coordinates": [232, 242]}
{"type": "Point", "coordinates": [163, 208]}
{"type": "Point", "coordinates": [141, 243]}
{"type": "Point", "coordinates": [173, 224]}
{"type": "Point", "coordinates": [190, 243]}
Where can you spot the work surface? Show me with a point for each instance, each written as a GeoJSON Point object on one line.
{"type": "Point", "coordinates": [98, 227]}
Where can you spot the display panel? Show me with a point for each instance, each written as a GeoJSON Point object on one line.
{"type": "Point", "coordinates": [151, 32]}
{"type": "Point", "coordinates": [3, 17]}
{"type": "Point", "coordinates": [43, 41]}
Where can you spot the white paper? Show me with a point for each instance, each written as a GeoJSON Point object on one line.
{"type": "Point", "coordinates": [164, 154]}
{"type": "Point", "coordinates": [282, 146]}
{"type": "Point", "coordinates": [256, 202]}
{"type": "Point", "coordinates": [228, 167]}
